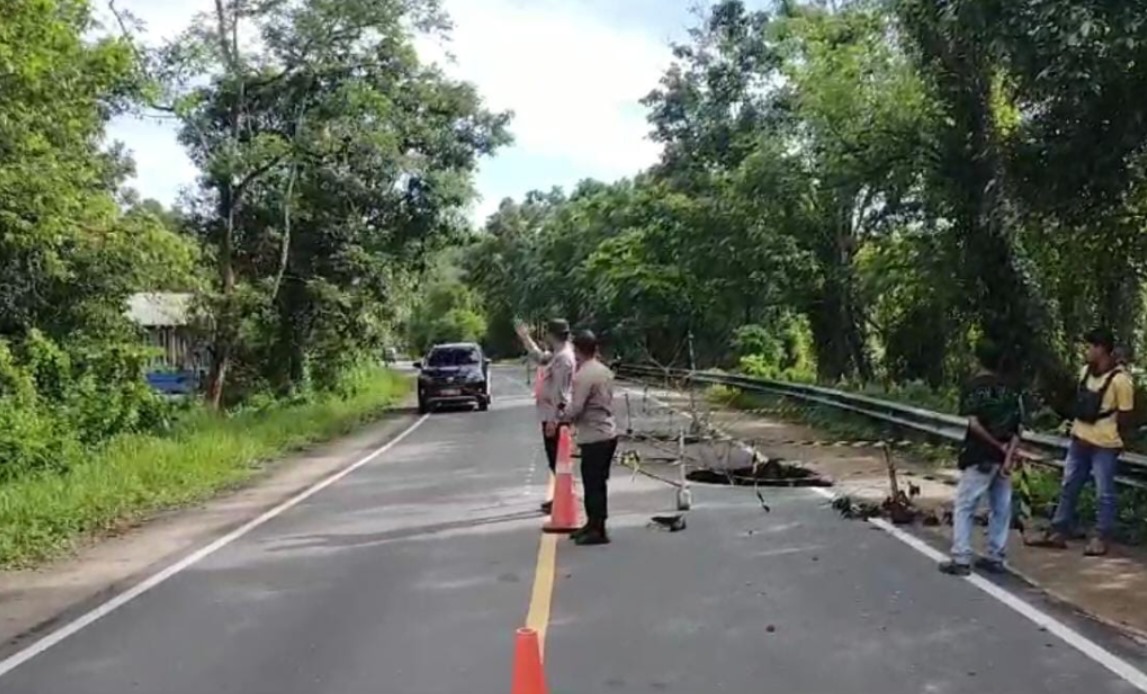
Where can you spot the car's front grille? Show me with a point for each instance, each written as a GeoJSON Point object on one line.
{"type": "Point", "coordinates": [465, 387]}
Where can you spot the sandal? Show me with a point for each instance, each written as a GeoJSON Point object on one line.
{"type": "Point", "coordinates": [1050, 540]}
{"type": "Point", "coordinates": [1096, 547]}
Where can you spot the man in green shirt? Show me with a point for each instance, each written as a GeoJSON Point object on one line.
{"type": "Point", "coordinates": [986, 461]}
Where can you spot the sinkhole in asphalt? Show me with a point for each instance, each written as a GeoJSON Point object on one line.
{"type": "Point", "coordinates": [774, 473]}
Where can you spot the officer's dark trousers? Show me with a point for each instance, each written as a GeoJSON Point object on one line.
{"type": "Point", "coordinates": [551, 444]}
{"type": "Point", "coordinates": [596, 459]}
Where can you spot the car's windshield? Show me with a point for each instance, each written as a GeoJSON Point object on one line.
{"type": "Point", "coordinates": [453, 356]}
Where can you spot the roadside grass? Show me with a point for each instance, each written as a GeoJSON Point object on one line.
{"type": "Point", "coordinates": [134, 476]}
{"type": "Point", "coordinates": [845, 426]}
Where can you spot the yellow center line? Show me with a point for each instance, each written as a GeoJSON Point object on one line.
{"type": "Point", "coordinates": [538, 617]}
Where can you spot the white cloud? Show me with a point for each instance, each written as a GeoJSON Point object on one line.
{"type": "Point", "coordinates": [572, 80]}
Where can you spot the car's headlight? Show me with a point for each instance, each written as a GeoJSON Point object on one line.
{"type": "Point", "coordinates": [475, 378]}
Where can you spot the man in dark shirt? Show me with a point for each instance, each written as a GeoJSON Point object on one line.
{"type": "Point", "coordinates": [987, 457]}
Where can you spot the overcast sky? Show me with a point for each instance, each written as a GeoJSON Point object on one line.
{"type": "Point", "coordinates": [571, 70]}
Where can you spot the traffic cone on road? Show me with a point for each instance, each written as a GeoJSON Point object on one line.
{"type": "Point", "coordinates": [564, 515]}
{"type": "Point", "coordinates": [565, 447]}
{"type": "Point", "coordinates": [528, 677]}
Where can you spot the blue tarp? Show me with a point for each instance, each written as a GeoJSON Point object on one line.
{"type": "Point", "coordinates": [177, 383]}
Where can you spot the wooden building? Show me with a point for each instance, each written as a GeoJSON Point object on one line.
{"type": "Point", "coordinates": [165, 317]}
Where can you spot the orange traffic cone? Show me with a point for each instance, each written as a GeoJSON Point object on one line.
{"type": "Point", "coordinates": [564, 515]}
{"type": "Point", "coordinates": [539, 378]}
{"type": "Point", "coordinates": [528, 677]}
{"type": "Point", "coordinates": [565, 447]}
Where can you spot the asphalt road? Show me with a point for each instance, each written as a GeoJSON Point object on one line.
{"type": "Point", "coordinates": [409, 576]}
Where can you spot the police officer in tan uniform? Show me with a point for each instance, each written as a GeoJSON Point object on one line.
{"type": "Point", "coordinates": [591, 413]}
{"type": "Point", "coordinates": [556, 389]}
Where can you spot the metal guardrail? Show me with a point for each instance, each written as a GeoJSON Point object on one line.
{"type": "Point", "coordinates": [1133, 466]}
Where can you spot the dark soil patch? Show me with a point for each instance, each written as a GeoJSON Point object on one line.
{"type": "Point", "coordinates": [771, 474]}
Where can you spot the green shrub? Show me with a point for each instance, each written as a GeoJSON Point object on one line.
{"type": "Point", "coordinates": [55, 403]}
{"type": "Point", "coordinates": [781, 352]}
{"type": "Point", "coordinates": [31, 440]}
{"type": "Point", "coordinates": [917, 393]}
{"type": "Point", "coordinates": [758, 366]}
{"type": "Point", "coordinates": [722, 395]}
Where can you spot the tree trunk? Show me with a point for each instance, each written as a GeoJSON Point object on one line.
{"type": "Point", "coordinates": [290, 369]}
{"type": "Point", "coordinates": [225, 312]}
{"type": "Point", "coordinates": [227, 28]}
{"type": "Point", "coordinates": [221, 360]}
{"type": "Point", "coordinates": [830, 343]}
{"type": "Point", "coordinates": [837, 317]}
{"type": "Point", "coordinates": [1119, 298]}
{"type": "Point", "coordinates": [855, 335]}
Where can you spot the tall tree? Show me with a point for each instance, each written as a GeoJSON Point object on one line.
{"type": "Point", "coordinates": [68, 256]}
{"type": "Point", "coordinates": [333, 160]}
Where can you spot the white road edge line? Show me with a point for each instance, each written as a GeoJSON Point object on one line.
{"type": "Point", "coordinates": [1125, 670]}
{"type": "Point", "coordinates": [24, 655]}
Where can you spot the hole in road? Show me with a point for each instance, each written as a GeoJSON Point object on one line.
{"type": "Point", "coordinates": [774, 473]}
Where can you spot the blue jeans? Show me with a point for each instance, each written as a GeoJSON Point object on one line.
{"type": "Point", "coordinates": [974, 484]}
{"type": "Point", "coordinates": [1085, 460]}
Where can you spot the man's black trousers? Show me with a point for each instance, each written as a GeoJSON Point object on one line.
{"type": "Point", "coordinates": [596, 460]}
{"type": "Point", "coordinates": [551, 443]}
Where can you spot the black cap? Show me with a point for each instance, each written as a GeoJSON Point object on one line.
{"type": "Point", "coordinates": [559, 328]}
{"type": "Point", "coordinates": [585, 342]}
{"type": "Point", "coordinates": [1100, 337]}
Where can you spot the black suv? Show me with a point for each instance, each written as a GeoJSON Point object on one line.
{"type": "Point", "coordinates": [454, 374]}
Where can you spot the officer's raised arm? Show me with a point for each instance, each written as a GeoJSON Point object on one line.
{"type": "Point", "coordinates": [533, 351]}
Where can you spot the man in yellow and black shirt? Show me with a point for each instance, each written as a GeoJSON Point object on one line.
{"type": "Point", "coordinates": [1104, 402]}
